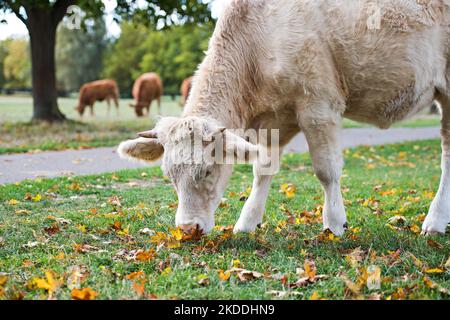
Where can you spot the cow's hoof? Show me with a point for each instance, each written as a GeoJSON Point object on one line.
{"type": "Point", "coordinates": [432, 226]}
{"type": "Point", "coordinates": [246, 227]}
{"type": "Point", "coordinates": [337, 230]}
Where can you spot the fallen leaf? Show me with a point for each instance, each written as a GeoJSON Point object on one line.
{"type": "Point", "coordinates": [49, 283]}
{"type": "Point", "coordinates": [53, 229]}
{"type": "Point", "coordinates": [429, 283]}
{"type": "Point", "coordinates": [314, 296]}
{"type": "Point", "coordinates": [134, 275]}
{"type": "Point", "coordinates": [434, 270]}
{"type": "Point", "coordinates": [144, 256]}
{"type": "Point", "coordinates": [114, 201]}
{"type": "Point", "coordinates": [177, 234]}
{"type": "Point", "coordinates": [288, 189]}
{"type": "Point", "coordinates": [310, 269]}
{"type": "Point", "coordinates": [13, 202]}
{"type": "Point", "coordinates": [139, 287]}
{"type": "Point", "coordinates": [302, 282]}
{"type": "Point", "coordinates": [373, 278]}
{"type": "Point", "coordinates": [355, 257]}
{"type": "Point", "coordinates": [224, 275]}
{"type": "Point", "coordinates": [147, 231]}
{"type": "Point", "coordinates": [434, 244]}
{"type": "Point", "coordinates": [245, 275]}
{"type": "Point", "coordinates": [3, 280]}
{"type": "Point", "coordinates": [84, 294]}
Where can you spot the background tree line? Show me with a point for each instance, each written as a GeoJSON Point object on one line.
{"type": "Point", "coordinates": [88, 54]}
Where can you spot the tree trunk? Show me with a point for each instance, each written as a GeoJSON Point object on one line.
{"type": "Point", "coordinates": [42, 29]}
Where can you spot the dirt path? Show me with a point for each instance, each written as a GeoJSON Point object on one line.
{"type": "Point", "coordinates": [18, 167]}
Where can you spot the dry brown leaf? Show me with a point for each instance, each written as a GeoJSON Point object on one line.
{"type": "Point", "coordinates": [355, 257]}
{"type": "Point", "coordinates": [245, 275]}
{"type": "Point", "coordinates": [434, 244]}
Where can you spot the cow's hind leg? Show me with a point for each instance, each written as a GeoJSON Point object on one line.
{"type": "Point", "coordinates": [439, 214]}
{"type": "Point", "coordinates": [321, 126]}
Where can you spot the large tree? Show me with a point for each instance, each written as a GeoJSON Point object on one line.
{"type": "Point", "coordinates": [41, 17]}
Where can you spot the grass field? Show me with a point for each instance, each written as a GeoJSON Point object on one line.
{"type": "Point", "coordinates": [17, 134]}
{"type": "Point", "coordinates": [110, 236]}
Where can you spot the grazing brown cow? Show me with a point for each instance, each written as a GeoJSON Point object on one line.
{"type": "Point", "coordinates": [98, 91]}
{"type": "Point", "coordinates": [185, 90]}
{"type": "Point", "coordinates": [147, 88]}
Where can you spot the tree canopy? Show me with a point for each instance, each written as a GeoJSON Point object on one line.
{"type": "Point", "coordinates": [173, 53]}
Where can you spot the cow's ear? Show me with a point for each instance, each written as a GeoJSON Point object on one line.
{"type": "Point", "coordinates": [143, 149]}
{"type": "Point", "coordinates": [239, 148]}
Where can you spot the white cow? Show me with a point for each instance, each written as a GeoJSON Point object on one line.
{"type": "Point", "coordinates": [303, 65]}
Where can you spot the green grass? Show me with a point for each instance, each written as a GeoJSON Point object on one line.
{"type": "Point", "coordinates": [19, 135]}
{"type": "Point", "coordinates": [399, 180]}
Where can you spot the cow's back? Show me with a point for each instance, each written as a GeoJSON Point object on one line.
{"type": "Point", "coordinates": [380, 59]}
{"type": "Point", "coordinates": [147, 88]}
{"type": "Point", "coordinates": [98, 91]}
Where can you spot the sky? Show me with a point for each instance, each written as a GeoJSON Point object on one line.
{"type": "Point", "coordinates": [15, 28]}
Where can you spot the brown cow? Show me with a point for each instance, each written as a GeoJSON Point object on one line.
{"type": "Point", "coordinates": [98, 91]}
{"type": "Point", "coordinates": [147, 88]}
{"type": "Point", "coordinates": [185, 90]}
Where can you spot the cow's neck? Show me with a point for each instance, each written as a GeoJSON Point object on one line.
{"type": "Point", "coordinates": [225, 86]}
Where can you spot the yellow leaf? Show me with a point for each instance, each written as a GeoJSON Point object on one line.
{"type": "Point", "coordinates": [288, 189]}
{"type": "Point", "coordinates": [173, 244]}
{"type": "Point", "coordinates": [13, 202]}
{"type": "Point", "coordinates": [236, 263]}
{"type": "Point", "coordinates": [82, 228]}
{"type": "Point", "coordinates": [224, 276]}
{"type": "Point", "coordinates": [314, 296]}
{"type": "Point", "coordinates": [37, 198]}
{"type": "Point", "coordinates": [310, 269]}
{"type": "Point", "coordinates": [60, 256]}
{"type": "Point", "coordinates": [3, 280]}
{"type": "Point", "coordinates": [177, 234]}
{"type": "Point", "coordinates": [415, 228]}
{"type": "Point", "coordinates": [84, 294]}
{"type": "Point", "coordinates": [49, 283]}
{"type": "Point", "coordinates": [166, 271]}
{"type": "Point", "coordinates": [434, 270]}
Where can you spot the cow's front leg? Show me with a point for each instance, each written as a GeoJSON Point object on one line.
{"type": "Point", "coordinates": [439, 214]}
{"type": "Point", "coordinates": [321, 129]}
{"type": "Point", "coordinates": [253, 210]}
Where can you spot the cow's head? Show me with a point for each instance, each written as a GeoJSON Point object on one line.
{"type": "Point", "coordinates": [138, 109]}
{"type": "Point", "coordinates": [80, 108]}
{"type": "Point", "coordinates": [199, 180]}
